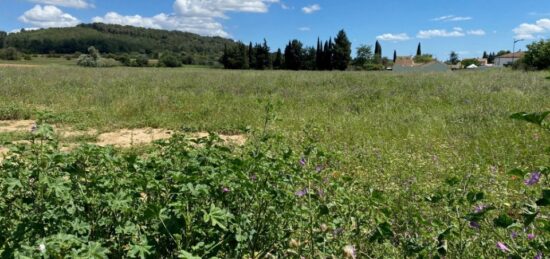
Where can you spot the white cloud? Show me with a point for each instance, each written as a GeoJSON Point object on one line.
{"type": "Point", "coordinates": [476, 32]}
{"type": "Point", "coordinates": [48, 16]}
{"type": "Point", "coordinates": [311, 9]}
{"type": "Point", "coordinates": [80, 4]}
{"type": "Point", "coordinates": [196, 16]}
{"type": "Point", "coordinates": [427, 34]}
{"type": "Point", "coordinates": [393, 37]}
{"type": "Point", "coordinates": [452, 18]}
{"type": "Point", "coordinates": [529, 31]}
{"type": "Point", "coordinates": [284, 6]}
{"type": "Point", "coordinates": [304, 29]}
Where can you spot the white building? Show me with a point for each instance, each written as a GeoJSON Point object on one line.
{"type": "Point", "coordinates": [508, 59]}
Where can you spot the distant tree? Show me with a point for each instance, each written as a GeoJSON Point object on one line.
{"type": "Point", "coordinates": [364, 56]}
{"type": "Point", "coordinates": [142, 61]}
{"type": "Point", "coordinates": [235, 57]}
{"type": "Point", "coordinates": [308, 58]}
{"type": "Point", "coordinates": [342, 51]}
{"type": "Point", "coordinates": [470, 61]}
{"type": "Point", "coordinates": [293, 55]}
{"type": "Point", "coordinates": [453, 58]}
{"type": "Point", "coordinates": [170, 59]}
{"type": "Point", "coordinates": [378, 53]}
{"type": "Point", "coordinates": [91, 59]}
{"type": "Point", "coordinates": [394, 56]}
{"type": "Point", "coordinates": [251, 56]}
{"type": "Point", "coordinates": [278, 61]}
{"type": "Point", "coordinates": [426, 58]}
{"type": "Point", "coordinates": [491, 58]}
{"type": "Point", "coordinates": [503, 52]}
{"type": "Point", "coordinates": [263, 56]}
{"type": "Point", "coordinates": [10, 54]}
{"type": "Point", "coordinates": [538, 55]}
{"type": "Point", "coordinates": [485, 55]}
{"type": "Point", "coordinates": [419, 50]}
{"type": "Point", "coordinates": [3, 37]}
{"type": "Point", "coordinates": [319, 55]}
{"type": "Point", "coordinates": [328, 54]}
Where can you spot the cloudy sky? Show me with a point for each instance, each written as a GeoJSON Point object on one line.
{"type": "Point", "coordinates": [466, 26]}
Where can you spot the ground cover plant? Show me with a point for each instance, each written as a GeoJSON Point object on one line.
{"type": "Point", "coordinates": [340, 164]}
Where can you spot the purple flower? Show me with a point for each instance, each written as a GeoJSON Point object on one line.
{"type": "Point", "coordinates": [514, 235]}
{"type": "Point", "coordinates": [503, 247]}
{"type": "Point", "coordinates": [321, 193]}
{"type": "Point", "coordinates": [253, 177]}
{"type": "Point", "coordinates": [34, 128]}
{"type": "Point", "coordinates": [303, 161]}
{"type": "Point", "coordinates": [531, 236]}
{"type": "Point", "coordinates": [319, 168]}
{"type": "Point", "coordinates": [225, 190]}
{"type": "Point", "coordinates": [475, 225]}
{"type": "Point", "coordinates": [538, 256]}
{"type": "Point", "coordinates": [533, 179]}
{"type": "Point", "coordinates": [301, 193]}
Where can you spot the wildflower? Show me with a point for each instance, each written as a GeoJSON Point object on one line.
{"type": "Point", "coordinates": [531, 236]}
{"type": "Point", "coordinates": [34, 128]}
{"type": "Point", "coordinates": [301, 193]}
{"type": "Point", "coordinates": [338, 231]}
{"type": "Point", "coordinates": [475, 225]}
{"type": "Point", "coordinates": [538, 256]}
{"type": "Point", "coordinates": [294, 243]}
{"type": "Point", "coordinates": [319, 168]}
{"type": "Point", "coordinates": [225, 190]}
{"type": "Point", "coordinates": [533, 179]}
{"type": "Point", "coordinates": [303, 161]}
{"type": "Point", "coordinates": [42, 248]}
{"type": "Point", "coordinates": [321, 193]}
{"type": "Point", "coordinates": [503, 247]}
{"type": "Point", "coordinates": [253, 177]}
{"type": "Point", "coordinates": [480, 208]}
{"type": "Point", "coordinates": [349, 252]}
{"type": "Point", "coordinates": [514, 235]}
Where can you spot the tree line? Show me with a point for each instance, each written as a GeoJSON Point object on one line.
{"type": "Point", "coordinates": [327, 55]}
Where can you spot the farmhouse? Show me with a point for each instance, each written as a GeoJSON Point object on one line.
{"type": "Point", "coordinates": [507, 59]}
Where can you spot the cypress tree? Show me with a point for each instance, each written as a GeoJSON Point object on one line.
{"type": "Point", "coordinates": [329, 55]}
{"type": "Point", "coordinates": [394, 56]}
{"type": "Point", "coordinates": [342, 51]}
{"type": "Point", "coordinates": [319, 55]}
{"type": "Point", "coordinates": [485, 54]}
{"type": "Point", "coordinates": [278, 62]}
{"type": "Point", "coordinates": [251, 56]}
{"type": "Point", "coordinates": [419, 50]}
{"type": "Point", "coordinates": [378, 53]}
{"type": "Point", "coordinates": [293, 55]}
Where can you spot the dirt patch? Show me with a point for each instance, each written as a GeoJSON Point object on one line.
{"type": "Point", "coordinates": [17, 65]}
{"type": "Point", "coordinates": [123, 138]}
{"type": "Point", "coordinates": [132, 137]}
{"type": "Point", "coordinates": [16, 126]}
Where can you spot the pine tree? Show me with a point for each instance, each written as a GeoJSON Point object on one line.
{"type": "Point", "coordinates": [342, 51]}
{"type": "Point", "coordinates": [419, 50]}
{"type": "Point", "coordinates": [394, 56]}
{"type": "Point", "coordinates": [251, 56]}
{"type": "Point", "coordinates": [293, 55]}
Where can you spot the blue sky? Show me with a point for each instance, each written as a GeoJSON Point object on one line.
{"type": "Point", "coordinates": [466, 26]}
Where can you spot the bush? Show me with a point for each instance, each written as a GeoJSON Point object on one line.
{"type": "Point", "coordinates": [10, 54]}
{"type": "Point", "coordinates": [107, 62]}
{"type": "Point", "coordinates": [170, 60]}
{"type": "Point", "coordinates": [86, 61]}
{"type": "Point", "coordinates": [142, 61]}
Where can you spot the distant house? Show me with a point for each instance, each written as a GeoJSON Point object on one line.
{"type": "Point", "coordinates": [407, 64]}
{"type": "Point", "coordinates": [483, 62]}
{"type": "Point", "coordinates": [508, 59]}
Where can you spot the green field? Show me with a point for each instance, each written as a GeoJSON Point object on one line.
{"type": "Point", "coordinates": [405, 135]}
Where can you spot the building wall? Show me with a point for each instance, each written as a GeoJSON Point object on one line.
{"type": "Point", "coordinates": [500, 62]}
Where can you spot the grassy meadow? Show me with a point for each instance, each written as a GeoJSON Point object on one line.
{"type": "Point", "coordinates": [403, 134]}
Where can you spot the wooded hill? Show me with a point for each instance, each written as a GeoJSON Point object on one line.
{"type": "Point", "coordinates": [116, 39]}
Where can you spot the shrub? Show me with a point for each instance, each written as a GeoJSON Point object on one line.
{"type": "Point", "coordinates": [468, 62]}
{"type": "Point", "coordinates": [142, 61]}
{"type": "Point", "coordinates": [170, 60]}
{"type": "Point", "coordinates": [538, 55]}
{"type": "Point", "coordinates": [10, 54]}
